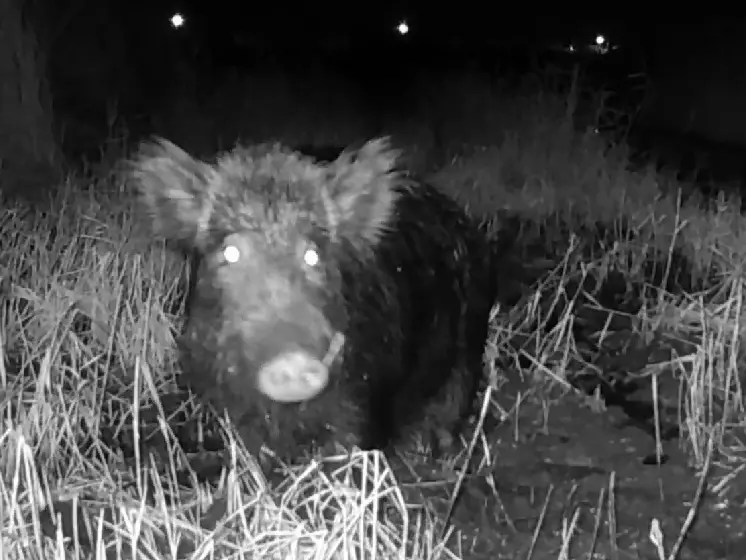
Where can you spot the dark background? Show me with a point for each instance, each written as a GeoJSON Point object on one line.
{"type": "Point", "coordinates": [122, 62]}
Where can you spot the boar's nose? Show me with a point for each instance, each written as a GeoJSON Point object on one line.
{"type": "Point", "coordinates": [293, 377]}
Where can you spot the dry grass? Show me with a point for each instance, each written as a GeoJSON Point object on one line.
{"type": "Point", "coordinates": [89, 314]}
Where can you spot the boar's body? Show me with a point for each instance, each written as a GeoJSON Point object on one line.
{"type": "Point", "coordinates": [294, 258]}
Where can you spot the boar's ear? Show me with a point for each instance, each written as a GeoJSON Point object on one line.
{"type": "Point", "coordinates": [362, 192]}
{"type": "Point", "coordinates": [174, 188]}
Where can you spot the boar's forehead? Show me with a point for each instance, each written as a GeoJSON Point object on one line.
{"type": "Point", "coordinates": [280, 210]}
{"type": "Point", "coordinates": [278, 191]}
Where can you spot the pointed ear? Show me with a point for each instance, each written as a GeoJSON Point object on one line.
{"type": "Point", "coordinates": [173, 186]}
{"type": "Point", "coordinates": [361, 197]}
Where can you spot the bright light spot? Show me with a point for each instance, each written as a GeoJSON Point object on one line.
{"type": "Point", "coordinates": [402, 28]}
{"type": "Point", "coordinates": [177, 20]}
{"type": "Point", "coordinates": [600, 40]}
{"type": "Point", "coordinates": [231, 254]}
{"type": "Point", "coordinates": [311, 257]}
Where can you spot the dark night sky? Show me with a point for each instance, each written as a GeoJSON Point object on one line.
{"type": "Point", "coordinates": [310, 21]}
{"type": "Point", "coordinates": [215, 24]}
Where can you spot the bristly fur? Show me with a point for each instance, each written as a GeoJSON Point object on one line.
{"type": "Point", "coordinates": [404, 274]}
{"type": "Point", "coordinates": [189, 198]}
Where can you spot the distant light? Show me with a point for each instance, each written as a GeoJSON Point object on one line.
{"type": "Point", "coordinates": [402, 28]}
{"type": "Point", "coordinates": [177, 20]}
{"type": "Point", "coordinates": [600, 40]}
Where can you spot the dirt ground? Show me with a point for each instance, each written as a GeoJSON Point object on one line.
{"type": "Point", "coordinates": [553, 458]}
{"type": "Point", "coordinates": [566, 460]}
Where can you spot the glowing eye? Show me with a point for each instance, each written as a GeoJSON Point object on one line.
{"type": "Point", "coordinates": [231, 254]}
{"type": "Point", "coordinates": [311, 257]}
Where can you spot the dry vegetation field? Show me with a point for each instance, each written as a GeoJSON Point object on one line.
{"type": "Point", "coordinates": [613, 424]}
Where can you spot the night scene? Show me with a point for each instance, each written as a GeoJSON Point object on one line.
{"type": "Point", "coordinates": [352, 281]}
